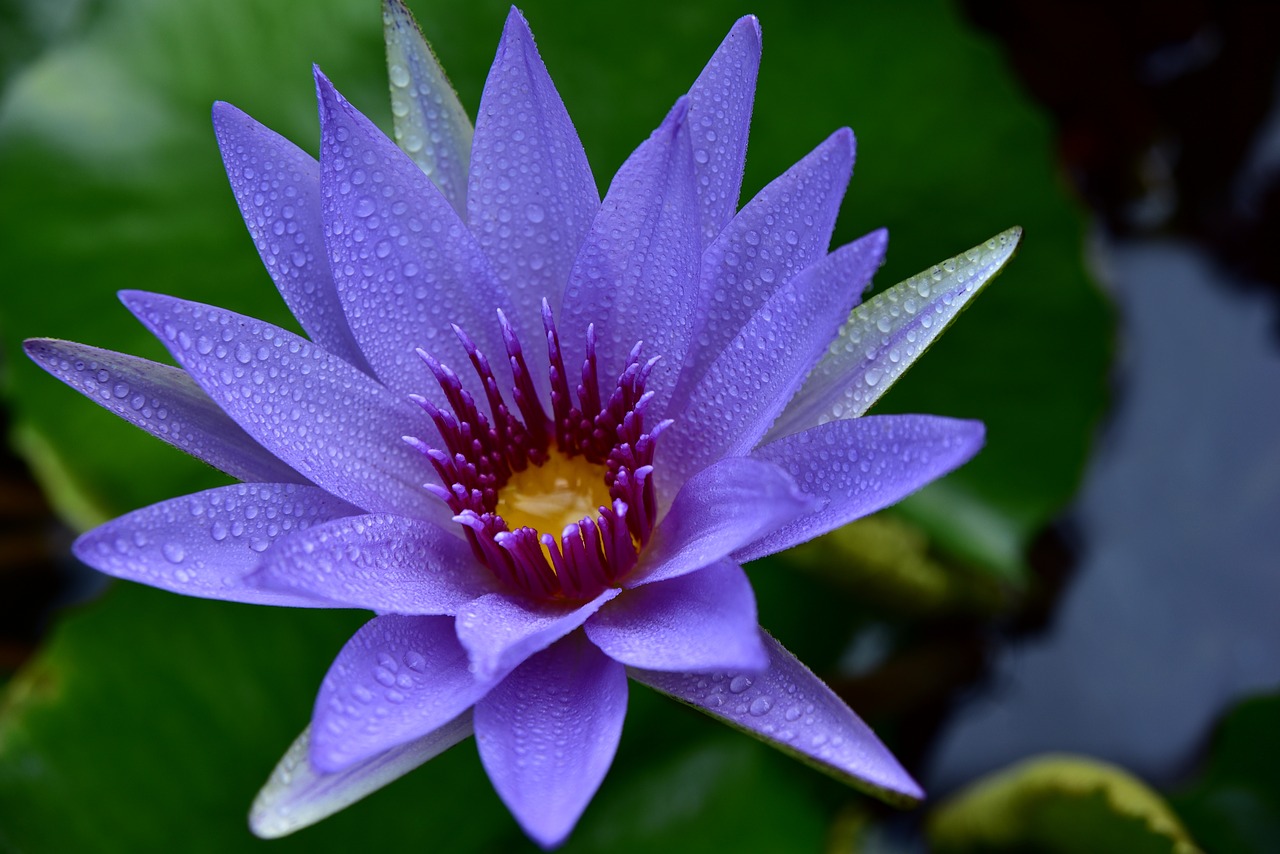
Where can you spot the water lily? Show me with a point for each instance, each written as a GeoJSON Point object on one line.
{"type": "Point", "coordinates": [536, 432]}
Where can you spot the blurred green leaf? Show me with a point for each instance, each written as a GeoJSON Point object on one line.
{"type": "Point", "coordinates": [1234, 808]}
{"type": "Point", "coordinates": [886, 563]}
{"type": "Point", "coordinates": [1066, 804]}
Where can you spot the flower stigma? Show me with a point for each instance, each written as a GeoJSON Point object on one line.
{"type": "Point", "coordinates": [554, 495]}
{"type": "Point", "coordinates": [557, 506]}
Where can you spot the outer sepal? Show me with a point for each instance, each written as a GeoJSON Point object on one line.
{"type": "Point", "coordinates": [885, 335]}
{"type": "Point", "coordinates": [430, 124]}
{"type": "Point", "coordinates": [296, 795]}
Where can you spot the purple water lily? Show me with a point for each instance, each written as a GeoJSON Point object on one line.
{"type": "Point", "coordinates": [536, 432]}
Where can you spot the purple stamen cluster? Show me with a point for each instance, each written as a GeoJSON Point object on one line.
{"type": "Point", "coordinates": [481, 454]}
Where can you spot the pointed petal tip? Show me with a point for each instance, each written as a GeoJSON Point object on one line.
{"type": "Point", "coordinates": [35, 348]}
{"type": "Point", "coordinates": [140, 302]}
{"type": "Point", "coordinates": [1007, 241]}
{"type": "Point", "coordinates": [135, 300]}
{"type": "Point", "coordinates": [228, 122]}
{"type": "Point", "coordinates": [845, 139]}
{"type": "Point", "coordinates": [263, 824]}
{"type": "Point", "coordinates": [875, 244]}
{"type": "Point", "coordinates": [974, 435]}
{"type": "Point", "coordinates": [295, 796]}
{"type": "Point", "coordinates": [516, 26]}
{"type": "Point", "coordinates": [746, 31]}
{"type": "Point", "coordinates": [902, 791]}
{"type": "Point", "coordinates": [79, 548]}
{"type": "Point", "coordinates": [324, 86]}
{"type": "Point", "coordinates": [221, 111]}
{"type": "Point", "coordinates": [328, 98]}
{"type": "Point", "coordinates": [842, 146]}
{"type": "Point", "coordinates": [1014, 237]}
{"type": "Point", "coordinates": [548, 839]}
{"type": "Point", "coordinates": [999, 250]}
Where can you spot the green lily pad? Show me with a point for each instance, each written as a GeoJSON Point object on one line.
{"type": "Point", "coordinates": [1064, 804]}
{"type": "Point", "coordinates": [1234, 808]}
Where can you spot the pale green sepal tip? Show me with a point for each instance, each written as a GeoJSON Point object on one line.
{"type": "Point", "coordinates": [430, 124]}
{"type": "Point", "coordinates": [885, 335]}
{"type": "Point", "coordinates": [297, 796]}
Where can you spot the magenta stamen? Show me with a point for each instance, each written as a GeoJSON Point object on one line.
{"type": "Point", "coordinates": [480, 455]}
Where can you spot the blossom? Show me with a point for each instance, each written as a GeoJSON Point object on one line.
{"type": "Point", "coordinates": [536, 432]}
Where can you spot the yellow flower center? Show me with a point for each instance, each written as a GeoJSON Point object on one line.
{"type": "Point", "coordinates": [548, 498]}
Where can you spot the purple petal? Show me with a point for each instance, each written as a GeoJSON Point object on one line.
{"type": "Point", "coordinates": [277, 186]}
{"type": "Point", "coordinates": [884, 336]}
{"type": "Point", "coordinates": [789, 708]}
{"type": "Point", "coordinates": [719, 510]}
{"type": "Point", "coordinates": [500, 630]}
{"type": "Point", "coordinates": [861, 465]}
{"type": "Point", "coordinates": [636, 277]}
{"type": "Point", "coordinates": [165, 402]}
{"type": "Point", "coordinates": [431, 126]}
{"type": "Point", "coordinates": [750, 382]}
{"type": "Point", "coordinates": [531, 196]}
{"type": "Point", "coordinates": [705, 620]}
{"type": "Point", "coordinates": [547, 735]}
{"type": "Point", "coordinates": [783, 230]}
{"type": "Point", "coordinates": [405, 264]}
{"type": "Point", "coordinates": [390, 564]}
{"type": "Point", "coordinates": [398, 679]}
{"type": "Point", "coordinates": [207, 543]}
{"type": "Point", "coordinates": [316, 412]}
{"type": "Point", "coordinates": [719, 116]}
{"type": "Point", "coordinates": [297, 795]}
